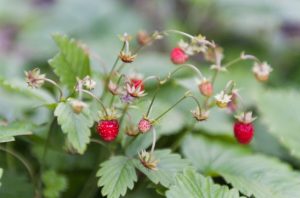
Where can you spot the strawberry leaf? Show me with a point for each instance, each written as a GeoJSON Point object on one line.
{"type": "Point", "coordinates": [116, 175]}
{"type": "Point", "coordinates": [190, 184]}
{"type": "Point", "coordinates": [169, 165]}
{"type": "Point", "coordinates": [282, 117]}
{"type": "Point", "coordinates": [54, 183]}
{"type": "Point", "coordinates": [252, 174]}
{"type": "Point", "coordinates": [8, 133]}
{"type": "Point", "coordinates": [76, 126]}
{"type": "Point", "coordinates": [72, 61]}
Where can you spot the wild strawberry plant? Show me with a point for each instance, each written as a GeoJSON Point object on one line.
{"type": "Point", "coordinates": [119, 112]}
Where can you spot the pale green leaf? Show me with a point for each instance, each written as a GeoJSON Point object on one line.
{"type": "Point", "coordinates": [54, 183]}
{"type": "Point", "coordinates": [116, 175]}
{"type": "Point", "coordinates": [72, 61]}
{"type": "Point", "coordinates": [169, 164]}
{"type": "Point", "coordinates": [252, 174]}
{"type": "Point", "coordinates": [76, 126]}
{"type": "Point", "coordinates": [7, 133]}
{"type": "Point", "coordinates": [193, 185]}
{"type": "Point", "coordinates": [280, 112]}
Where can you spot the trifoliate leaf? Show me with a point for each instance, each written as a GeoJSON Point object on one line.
{"type": "Point", "coordinates": [193, 185]}
{"type": "Point", "coordinates": [72, 61]}
{"type": "Point", "coordinates": [282, 117]}
{"type": "Point", "coordinates": [8, 132]}
{"type": "Point", "coordinates": [169, 164]}
{"type": "Point", "coordinates": [76, 126]}
{"type": "Point", "coordinates": [252, 174]}
{"type": "Point", "coordinates": [54, 183]}
{"type": "Point", "coordinates": [116, 175]}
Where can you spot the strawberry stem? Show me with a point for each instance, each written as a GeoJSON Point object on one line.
{"type": "Point", "coordinates": [153, 139]}
{"type": "Point", "coordinates": [113, 96]}
{"type": "Point", "coordinates": [56, 85]}
{"type": "Point", "coordinates": [98, 100]}
{"type": "Point", "coordinates": [183, 66]}
{"type": "Point", "coordinates": [169, 109]}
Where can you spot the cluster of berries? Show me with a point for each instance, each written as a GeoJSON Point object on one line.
{"type": "Point", "coordinates": [130, 88]}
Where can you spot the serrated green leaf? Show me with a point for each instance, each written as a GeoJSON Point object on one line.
{"type": "Point", "coordinates": [17, 88]}
{"type": "Point", "coordinates": [282, 117]}
{"type": "Point", "coordinates": [76, 126]}
{"type": "Point", "coordinates": [252, 174]}
{"type": "Point", "coordinates": [8, 132]}
{"type": "Point", "coordinates": [193, 185]}
{"type": "Point", "coordinates": [72, 61]}
{"type": "Point", "coordinates": [54, 183]}
{"type": "Point", "coordinates": [116, 175]}
{"type": "Point", "coordinates": [169, 164]}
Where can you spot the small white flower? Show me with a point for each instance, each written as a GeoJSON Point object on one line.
{"type": "Point", "coordinates": [222, 99]}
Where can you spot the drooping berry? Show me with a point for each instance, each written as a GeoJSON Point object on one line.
{"type": "Point", "coordinates": [178, 56]}
{"type": "Point", "coordinates": [206, 88]}
{"type": "Point", "coordinates": [243, 128]}
{"type": "Point", "coordinates": [243, 132]}
{"type": "Point", "coordinates": [108, 130]}
{"type": "Point", "coordinates": [144, 125]}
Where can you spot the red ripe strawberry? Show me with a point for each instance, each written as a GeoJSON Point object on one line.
{"type": "Point", "coordinates": [108, 129]}
{"type": "Point", "coordinates": [243, 128]}
{"type": "Point", "coordinates": [144, 125]}
{"type": "Point", "coordinates": [137, 83]}
{"type": "Point", "coordinates": [243, 132]}
{"type": "Point", "coordinates": [178, 56]}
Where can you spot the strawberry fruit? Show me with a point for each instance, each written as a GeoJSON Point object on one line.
{"type": "Point", "coordinates": [178, 56]}
{"type": "Point", "coordinates": [108, 130]}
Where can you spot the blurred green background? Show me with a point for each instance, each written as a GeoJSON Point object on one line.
{"type": "Point", "coordinates": [269, 29]}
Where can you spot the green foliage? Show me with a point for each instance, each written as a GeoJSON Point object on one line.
{"type": "Point", "coordinates": [72, 61]}
{"type": "Point", "coordinates": [169, 165]}
{"type": "Point", "coordinates": [282, 117]}
{"type": "Point", "coordinates": [116, 175]}
{"type": "Point", "coordinates": [76, 126]}
{"type": "Point", "coordinates": [190, 184]}
{"type": "Point", "coordinates": [15, 185]}
{"type": "Point", "coordinates": [252, 174]}
{"type": "Point", "coordinates": [54, 183]}
{"type": "Point", "coordinates": [8, 132]}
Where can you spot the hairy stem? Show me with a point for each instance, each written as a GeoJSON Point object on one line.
{"type": "Point", "coordinates": [98, 100]}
